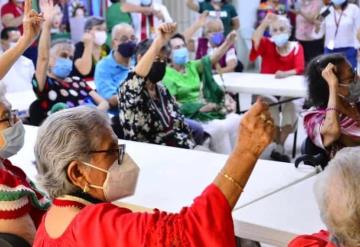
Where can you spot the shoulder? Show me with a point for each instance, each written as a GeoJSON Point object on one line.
{"type": "Point", "coordinates": [320, 239]}
{"type": "Point", "coordinates": [7, 6]}
{"type": "Point", "coordinates": [297, 47]}
{"type": "Point", "coordinates": [106, 60]}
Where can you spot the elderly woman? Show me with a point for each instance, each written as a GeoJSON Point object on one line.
{"type": "Point", "coordinates": [21, 205]}
{"type": "Point", "coordinates": [337, 194]}
{"type": "Point", "coordinates": [148, 113]}
{"type": "Point", "coordinates": [334, 90]}
{"type": "Point", "coordinates": [92, 49]}
{"type": "Point", "coordinates": [201, 98]}
{"type": "Point", "coordinates": [83, 174]}
{"type": "Point", "coordinates": [52, 85]}
{"type": "Point", "coordinates": [283, 58]}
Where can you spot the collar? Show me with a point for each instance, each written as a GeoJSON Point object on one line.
{"type": "Point", "coordinates": [114, 63]}
{"type": "Point", "coordinates": [78, 199]}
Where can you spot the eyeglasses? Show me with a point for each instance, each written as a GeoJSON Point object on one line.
{"type": "Point", "coordinates": [124, 39]}
{"type": "Point", "coordinates": [10, 117]}
{"type": "Point", "coordinates": [120, 151]}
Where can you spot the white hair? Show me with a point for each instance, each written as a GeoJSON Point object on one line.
{"type": "Point", "coordinates": [66, 136]}
{"type": "Point", "coordinates": [61, 45]}
{"type": "Point", "coordinates": [337, 191]}
{"type": "Point", "coordinates": [283, 20]}
{"type": "Point", "coordinates": [119, 27]}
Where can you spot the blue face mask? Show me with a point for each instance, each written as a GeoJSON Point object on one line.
{"type": "Point", "coordinates": [280, 39]}
{"type": "Point", "coordinates": [217, 38]}
{"type": "Point", "coordinates": [180, 56]}
{"type": "Point", "coordinates": [146, 2]}
{"type": "Point", "coordinates": [338, 2]}
{"type": "Point", "coordinates": [62, 67]}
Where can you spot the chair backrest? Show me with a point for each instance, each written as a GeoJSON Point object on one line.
{"type": "Point", "coordinates": [312, 155]}
{"type": "Point", "coordinates": [11, 240]}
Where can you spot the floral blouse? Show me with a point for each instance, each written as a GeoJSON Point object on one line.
{"type": "Point", "coordinates": [147, 120]}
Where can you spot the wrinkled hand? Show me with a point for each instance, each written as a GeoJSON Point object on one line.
{"type": "Point", "coordinates": [166, 31]}
{"type": "Point", "coordinates": [281, 74]}
{"type": "Point", "coordinates": [208, 107]}
{"type": "Point", "coordinates": [88, 39]}
{"type": "Point", "coordinates": [329, 75]}
{"type": "Point", "coordinates": [269, 18]}
{"type": "Point", "coordinates": [231, 37]}
{"type": "Point", "coordinates": [32, 23]}
{"type": "Point", "coordinates": [256, 129]}
{"type": "Point", "coordinates": [203, 18]}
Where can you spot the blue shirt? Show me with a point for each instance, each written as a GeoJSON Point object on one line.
{"type": "Point", "coordinates": [109, 75]}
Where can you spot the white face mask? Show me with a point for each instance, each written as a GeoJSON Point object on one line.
{"type": "Point", "coordinates": [120, 180]}
{"type": "Point", "coordinates": [14, 140]}
{"type": "Point", "coordinates": [100, 38]}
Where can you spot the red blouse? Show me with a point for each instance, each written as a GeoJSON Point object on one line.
{"type": "Point", "coordinates": [272, 61]}
{"type": "Point", "coordinates": [207, 222]}
{"type": "Point", "coordinates": [320, 239]}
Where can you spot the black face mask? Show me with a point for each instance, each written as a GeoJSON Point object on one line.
{"type": "Point", "coordinates": [127, 49]}
{"type": "Point", "coordinates": [157, 72]}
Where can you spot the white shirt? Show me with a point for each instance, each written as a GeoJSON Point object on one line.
{"type": "Point", "coordinates": [19, 77]}
{"type": "Point", "coordinates": [136, 18]}
{"type": "Point", "coordinates": [348, 28]}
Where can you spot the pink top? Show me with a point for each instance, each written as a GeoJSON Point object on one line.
{"type": "Point", "coordinates": [305, 30]}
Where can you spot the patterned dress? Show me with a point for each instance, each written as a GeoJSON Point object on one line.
{"type": "Point", "coordinates": [144, 119]}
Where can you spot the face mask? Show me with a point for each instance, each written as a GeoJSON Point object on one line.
{"type": "Point", "coordinates": [146, 2]}
{"type": "Point", "coordinates": [180, 56]}
{"type": "Point", "coordinates": [62, 67]}
{"type": "Point", "coordinates": [14, 140]}
{"type": "Point", "coordinates": [127, 49]}
{"type": "Point", "coordinates": [354, 92]}
{"type": "Point", "coordinates": [281, 39]}
{"type": "Point", "coordinates": [217, 38]}
{"type": "Point", "coordinates": [120, 179]}
{"type": "Point", "coordinates": [157, 72]}
{"type": "Point", "coordinates": [338, 2]}
{"type": "Point", "coordinates": [100, 38]}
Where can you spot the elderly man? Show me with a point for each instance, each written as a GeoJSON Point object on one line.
{"type": "Point", "coordinates": [111, 71]}
{"type": "Point", "coordinates": [337, 191]}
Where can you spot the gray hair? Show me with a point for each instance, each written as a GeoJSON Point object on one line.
{"type": "Point", "coordinates": [66, 136]}
{"type": "Point", "coordinates": [93, 21]}
{"type": "Point", "coordinates": [282, 19]}
{"type": "Point", "coordinates": [62, 44]}
{"type": "Point", "coordinates": [117, 28]}
{"type": "Point", "coordinates": [337, 191]}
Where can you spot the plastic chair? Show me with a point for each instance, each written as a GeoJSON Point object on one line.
{"type": "Point", "coordinates": [11, 240]}
{"type": "Point", "coordinates": [312, 155]}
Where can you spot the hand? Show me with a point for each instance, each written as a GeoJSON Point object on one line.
{"type": "Point", "coordinates": [31, 23]}
{"type": "Point", "coordinates": [269, 18]}
{"type": "Point", "coordinates": [203, 18]}
{"type": "Point", "coordinates": [88, 39]}
{"type": "Point", "coordinates": [281, 74]}
{"type": "Point", "coordinates": [256, 129]}
{"type": "Point", "coordinates": [329, 75]}
{"type": "Point", "coordinates": [208, 107]}
{"type": "Point", "coordinates": [231, 37]}
{"type": "Point", "coordinates": [159, 15]}
{"type": "Point", "coordinates": [166, 31]}
{"type": "Point", "coordinates": [48, 9]}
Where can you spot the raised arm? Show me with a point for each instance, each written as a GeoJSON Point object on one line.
{"type": "Point", "coordinates": [32, 24]}
{"type": "Point", "coordinates": [47, 7]}
{"type": "Point", "coordinates": [133, 8]}
{"type": "Point", "coordinates": [219, 53]}
{"type": "Point", "coordinates": [260, 30]}
{"type": "Point", "coordinates": [255, 134]}
{"type": "Point", "coordinates": [192, 5]}
{"type": "Point", "coordinates": [84, 63]}
{"type": "Point", "coordinates": [166, 31]}
{"type": "Point", "coordinates": [330, 129]}
{"type": "Point", "coordinates": [199, 23]}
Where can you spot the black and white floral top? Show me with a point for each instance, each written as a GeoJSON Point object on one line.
{"type": "Point", "coordinates": [147, 120]}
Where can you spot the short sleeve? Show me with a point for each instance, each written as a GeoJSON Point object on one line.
{"type": "Point", "coordinates": [232, 11]}
{"type": "Point", "coordinates": [299, 59]}
{"type": "Point", "coordinates": [35, 85]}
{"type": "Point", "coordinates": [6, 9]}
{"type": "Point", "coordinates": [207, 222]}
{"type": "Point", "coordinates": [79, 50]}
{"type": "Point", "coordinates": [263, 46]}
{"type": "Point", "coordinates": [313, 121]}
{"type": "Point", "coordinates": [202, 7]}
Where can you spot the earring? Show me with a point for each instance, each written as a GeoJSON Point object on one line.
{"type": "Point", "coordinates": [86, 188]}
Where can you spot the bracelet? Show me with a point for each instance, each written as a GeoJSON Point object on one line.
{"type": "Point", "coordinates": [331, 109]}
{"type": "Point", "coordinates": [232, 180]}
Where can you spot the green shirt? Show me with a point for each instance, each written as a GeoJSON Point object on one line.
{"type": "Point", "coordinates": [185, 87]}
{"type": "Point", "coordinates": [115, 16]}
{"type": "Point", "coordinates": [227, 14]}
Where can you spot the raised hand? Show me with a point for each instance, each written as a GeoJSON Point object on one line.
{"type": "Point", "coordinates": [31, 23]}
{"type": "Point", "coordinates": [48, 9]}
{"type": "Point", "coordinates": [88, 38]}
{"type": "Point", "coordinates": [203, 18]}
{"type": "Point", "coordinates": [269, 18]}
{"type": "Point", "coordinates": [231, 37]}
{"type": "Point", "coordinates": [256, 129]}
{"type": "Point", "coordinates": [329, 75]}
{"type": "Point", "coordinates": [166, 31]}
